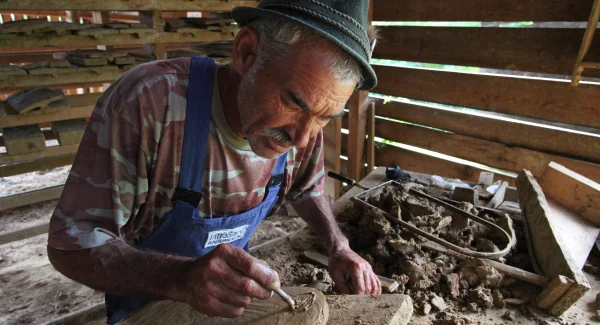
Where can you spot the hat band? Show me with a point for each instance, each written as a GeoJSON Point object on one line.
{"type": "Point", "coordinates": [366, 47]}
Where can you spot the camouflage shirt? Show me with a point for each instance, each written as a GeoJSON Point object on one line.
{"type": "Point", "coordinates": [127, 168]}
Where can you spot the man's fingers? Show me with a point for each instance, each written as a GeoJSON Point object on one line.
{"type": "Point", "coordinates": [367, 282]}
{"type": "Point", "coordinates": [340, 283]}
{"type": "Point", "coordinates": [358, 283]}
{"type": "Point", "coordinates": [237, 281]}
{"type": "Point", "coordinates": [375, 285]}
{"type": "Point", "coordinates": [240, 260]}
{"type": "Point", "coordinates": [229, 296]}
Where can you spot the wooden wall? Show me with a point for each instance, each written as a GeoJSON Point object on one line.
{"type": "Point", "coordinates": [508, 120]}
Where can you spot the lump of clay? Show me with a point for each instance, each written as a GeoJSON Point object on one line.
{"type": "Point", "coordinates": [475, 271]}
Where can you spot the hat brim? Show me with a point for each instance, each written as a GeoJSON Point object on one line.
{"type": "Point", "coordinates": [245, 15]}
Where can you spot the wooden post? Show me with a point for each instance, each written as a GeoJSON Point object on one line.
{"type": "Point", "coordinates": [371, 141]}
{"type": "Point", "coordinates": [154, 19]}
{"type": "Point", "coordinates": [357, 120]}
{"type": "Point", "coordinates": [332, 143]}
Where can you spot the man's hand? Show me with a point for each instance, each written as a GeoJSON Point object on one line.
{"type": "Point", "coordinates": [223, 282]}
{"type": "Point", "coordinates": [352, 274]}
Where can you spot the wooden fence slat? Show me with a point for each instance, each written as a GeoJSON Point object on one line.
{"type": "Point", "coordinates": [387, 155]}
{"type": "Point", "coordinates": [541, 50]}
{"type": "Point", "coordinates": [489, 153]}
{"type": "Point", "coordinates": [539, 99]}
{"type": "Point", "coordinates": [35, 230]}
{"type": "Point", "coordinates": [556, 142]}
{"type": "Point", "coordinates": [332, 142]}
{"type": "Point", "coordinates": [478, 10]}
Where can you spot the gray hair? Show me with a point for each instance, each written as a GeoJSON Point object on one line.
{"type": "Point", "coordinates": [276, 35]}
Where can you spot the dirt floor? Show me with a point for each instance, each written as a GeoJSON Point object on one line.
{"type": "Point", "coordinates": [31, 291]}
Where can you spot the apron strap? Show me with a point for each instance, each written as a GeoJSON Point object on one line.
{"type": "Point", "coordinates": [197, 126]}
{"type": "Point", "coordinates": [277, 176]}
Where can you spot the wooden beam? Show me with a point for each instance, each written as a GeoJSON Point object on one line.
{"type": "Point", "coordinates": [573, 145]}
{"type": "Point", "coordinates": [553, 101]}
{"type": "Point", "coordinates": [588, 37]}
{"type": "Point", "coordinates": [11, 236]}
{"type": "Point", "coordinates": [542, 50]}
{"type": "Point", "coordinates": [489, 153]}
{"type": "Point", "coordinates": [120, 5]}
{"type": "Point", "coordinates": [24, 42]}
{"type": "Point", "coordinates": [357, 120]}
{"type": "Point", "coordinates": [48, 152]}
{"type": "Point", "coordinates": [576, 192]}
{"type": "Point", "coordinates": [477, 10]}
{"type": "Point", "coordinates": [35, 165]}
{"type": "Point", "coordinates": [551, 253]}
{"type": "Point", "coordinates": [32, 197]}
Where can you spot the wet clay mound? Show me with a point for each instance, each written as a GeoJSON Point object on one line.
{"type": "Point", "coordinates": [436, 282]}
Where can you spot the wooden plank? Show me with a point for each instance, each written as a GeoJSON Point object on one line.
{"type": "Point", "coordinates": [32, 197]}
{"type": "Point", "coordinates": [489, 153]}
{"type": "Point", "coordinates": [477, 10]}
{"type": "Point", "coordinates": [357, 122]}
{"type": "Point", "coordinates": [49, 152]}
{"type": "Point", "coordinates": [81, 106]}
{"type": "Point", "coordinates": [574, 191]}
{"type": "Point", "coordinates": [548, 246]}
{"type": "Point", "coordinates": [543, 50]}
{"type": "Point", "coordinates": [38, 164]}
{"type": "Point", "coordinates": [577, 146]}
{"type": "Point", "coordinates": [586, 43]}
{"type": "Point", "coordinates": [11, 236]}
{"type": "Point", "coordinates": [23, 42]}
{"type": "Point", "coordinates": [72, 78]}
{"type": "Point", "coordinates": [120, 5]}
{"type": "Point", "coordinates": [553, 101]}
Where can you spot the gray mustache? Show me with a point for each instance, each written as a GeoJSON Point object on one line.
{"type": "Point", "coordinates": [278, 135]}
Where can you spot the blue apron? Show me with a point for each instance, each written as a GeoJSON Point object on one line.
{"type": "Point", "coordinates": [182, 231]}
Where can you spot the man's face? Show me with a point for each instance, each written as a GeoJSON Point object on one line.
{"type": "Point", "coordinates": [284, 104]}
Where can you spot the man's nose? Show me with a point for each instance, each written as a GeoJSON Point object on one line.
{"type": "Point", "coordinates": [301, 131]}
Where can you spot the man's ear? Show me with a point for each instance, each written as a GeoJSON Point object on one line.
{"type": "Point", "coordinates": [245, 49]}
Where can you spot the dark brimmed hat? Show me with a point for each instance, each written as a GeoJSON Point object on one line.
{"type": "Point", "coordinates": [344, 22]}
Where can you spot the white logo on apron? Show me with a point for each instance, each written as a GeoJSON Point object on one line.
{"type": "Point", "coordinates": [225, 236]}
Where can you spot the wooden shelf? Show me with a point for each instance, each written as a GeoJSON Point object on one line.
{"type": "Point", "coordinates": [71, 77]}
{"type": "Point", "coordinates": [127, 5]}
{"type": "Point", "coordinates": [81, 107]}
{"type": "Point", "coordinates": [78, 41]}
{"type": "Point", "coordinates": [48, 152]}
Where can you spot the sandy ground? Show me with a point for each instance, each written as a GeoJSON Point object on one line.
{"type": "Point", "coordinates": [31, 291]}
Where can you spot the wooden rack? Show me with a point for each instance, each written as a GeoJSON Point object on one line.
{"type": "Point", "coordinates": [31, 48]}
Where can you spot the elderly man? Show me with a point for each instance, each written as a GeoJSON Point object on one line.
{"type": "Point", "coordinates": [182, 159]}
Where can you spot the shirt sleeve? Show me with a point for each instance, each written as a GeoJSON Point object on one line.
{"type": "Point", "coordinates": [108, 180]}
{"type": "Point", "coordinates": [308, 172]}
